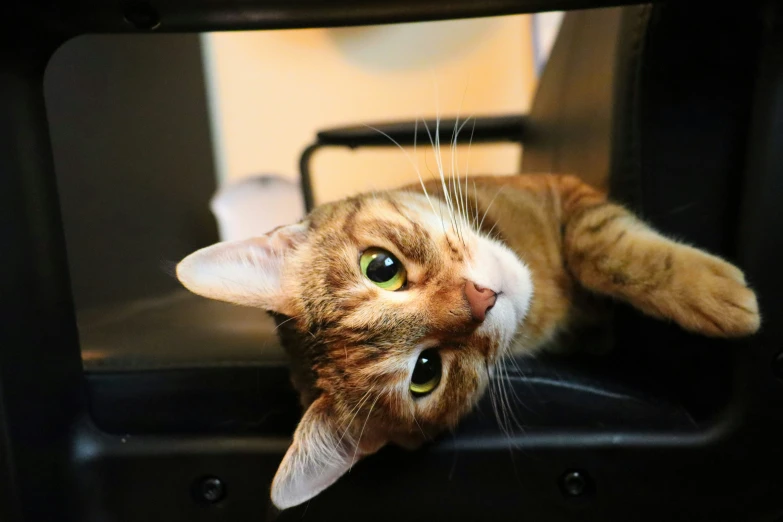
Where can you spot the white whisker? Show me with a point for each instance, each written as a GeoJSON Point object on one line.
{"type": "Point", "coordinates": [455, 175]}
{"type": "Point", "coordinates": [286, 321]}
{"type": "Point", "coordinates": [353, 413]}
{"type": "Point", "coordinates": [462, 198]}
{"type": "Point", "coordinates": [435, 142]}
{"type": "Point", "coordinates": [489, 234]}
{"type": "Point", "coordinates": [476, 209]}
{"type": "Point", "coordinates": [359, 440]}
{"type": "Point", "coordinates": [509, 386]}
{"type": "Point", "coordinates": [413, 415]}
{"type": "Point", "coordinates": [455, 168]}
{"type": "Point", "coordinates": [467, 166]}
{"type": "Point", "coordinates": [454, 183]}
{"type": "Point", "coordinates": [414, 165]}
{"type": "Point", "coordinates": [486, 211]}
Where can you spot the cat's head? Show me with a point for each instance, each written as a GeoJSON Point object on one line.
{"type": "Point", "coordinates": [401, 307]}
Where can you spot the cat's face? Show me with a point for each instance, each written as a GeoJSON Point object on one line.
{"type": "Point", "coordinates": [402, 309]}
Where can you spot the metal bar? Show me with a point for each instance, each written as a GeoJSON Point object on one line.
{"type": "Point", "coordinates": [484, 129]}
{"type": "Point", "coordinates": [305, 178]}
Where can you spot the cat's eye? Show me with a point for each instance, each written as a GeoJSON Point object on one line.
{"type": "Point", "coordinates": [383, 269]}
{"type": "Point", "coordinates": [426, 373]}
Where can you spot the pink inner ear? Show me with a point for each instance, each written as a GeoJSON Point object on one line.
{"type": "Point", "coordinates": [300, 477]}
{"type": "Point", "coordinates": [319, 455]}
{"type": "Point", "coordinates": [247, 272]}
{"type": "Point", "coordinates": [304, 475]}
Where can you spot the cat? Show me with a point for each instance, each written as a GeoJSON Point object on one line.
{"type": "Point", "coordinates": [395, 306]}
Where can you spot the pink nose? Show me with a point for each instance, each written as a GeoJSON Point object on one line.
{"type": "Point", "coordinates": [480, 300]}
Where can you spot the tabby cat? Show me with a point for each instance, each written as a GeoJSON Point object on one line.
{"type": "Point", "coordinates": [395, 306]}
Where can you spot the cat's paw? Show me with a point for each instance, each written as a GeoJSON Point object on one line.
{"type": "Point", "coordinates": [712, 297]}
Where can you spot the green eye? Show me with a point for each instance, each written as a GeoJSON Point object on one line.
{"type": "Point", "coordinates": [383, 269]}
{"type": "Point", "coordinates": [426, 373]}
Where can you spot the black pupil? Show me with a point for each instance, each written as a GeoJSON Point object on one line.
{"type": "Point", "coordinates": [427, 367]}
{"type": "Point", "coordinates": [382, 268]}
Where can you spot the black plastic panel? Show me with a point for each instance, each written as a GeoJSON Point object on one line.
{"type": "Point", "coordinates": [41, 383]}
{"type": "Point", "coordinates": [543, 394]}
{"type": "Point", "coordinates": [57, 469]}
{"type": "Point", "coordinates": [184, 364]}
{"type": "Point", "coordinates": [130, 129]}
{"type": "Point", "coordinates": [208, 401]}
{"type": "Point", "coordinates": [94, 16]}
{"type": "Point", "coordinates": [479, 473]}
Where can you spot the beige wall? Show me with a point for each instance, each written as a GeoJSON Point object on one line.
{"type": "Point", "coordinates": [270, 91]}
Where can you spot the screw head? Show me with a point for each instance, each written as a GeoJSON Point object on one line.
{"type": "Point", "coordinates": [211, 490]}
{"type": "Point", "coordinates": [142, 15]}
{"type": "Point", "coordinates": [575, 483]}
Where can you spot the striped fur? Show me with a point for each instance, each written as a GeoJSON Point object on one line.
{"type": "Point", "coordinates": [544, 243]}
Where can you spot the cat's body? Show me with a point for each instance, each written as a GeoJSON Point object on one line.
{"type": "Point", "coordinates": [396, 306]}
{"type": "Point", "coordinates": [575, 240]}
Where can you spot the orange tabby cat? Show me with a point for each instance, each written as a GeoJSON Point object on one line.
{"type": "Point", "coordinates": [395, 306]}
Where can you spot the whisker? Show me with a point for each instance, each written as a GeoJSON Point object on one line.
{"type": "Point", "coordinates": [531, 387]}
{"type": "Point", "coordinates": [512, 359]}
{"type": "Point", "coordinates": [486, 211]}
{"type": "Point", "coordinates": [491, 229]}
{"type": "Point", "coordinates": [462, 199]}
{"type": "Point", "coordinates": [439, 156]}
{"type": "Point", "coordinates": [436, 179]}
{"type": "Point", "coordinates": [462, 204]}
{"type": "Point", "coordinates": [476, 208]}
{"type": "Point", "coordinates": [501, 401]}
{"type": "Point", "coordinates": [467, 166]}
{"type": "Point", "coordinates": [435, 142]}
{"type": "Point", "coordinates": [454, 183]}
{"type": "Point", "coordinates": [503, 406]}
{"type": "Point", "coordinates": [439, 161]}
{"type": "Point", "coordinates": [286, 321]}
{"type": "Point", "coordinates": [494, 400]}
{"type": "Point", "coordinates": [359, 440]}
{"type": "Point", "coordinates": [414, 165]}
{"type": "Point", "coordinates": [413, 414]}
{"type": "Point", "coordinates": [452, 177]}
{"type": "Point", "coordinates": [509, 386]}
{"type": "Point", "coordinates": [353, 413]}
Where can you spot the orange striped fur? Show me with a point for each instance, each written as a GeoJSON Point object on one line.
{"type": "Point", "coordinates": [542, 243]}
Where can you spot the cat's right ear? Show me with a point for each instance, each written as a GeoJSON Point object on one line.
{"type": "Point", "coordinates": [248, 272]}
{"type": "Point", "coordinates": [319, 455]}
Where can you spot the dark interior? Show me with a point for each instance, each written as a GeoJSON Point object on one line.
{"type": "Point", "coordinates": [125, 398]}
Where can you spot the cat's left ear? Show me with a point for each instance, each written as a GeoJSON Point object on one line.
{"type": "Point", "coordinates": [248, 272]}
{"type": "Point", "coordinates": [319, 455]}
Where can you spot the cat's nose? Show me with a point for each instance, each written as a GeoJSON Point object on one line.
{"type": "Point", "coordinates": [480, 300]}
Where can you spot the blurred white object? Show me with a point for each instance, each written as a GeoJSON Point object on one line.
{"type": "Point", "coordinates": [410, 46]}
{"type": "Point", "coordinates": [544, 29]}
{"type": "Point", "coordinates": [253, 206]}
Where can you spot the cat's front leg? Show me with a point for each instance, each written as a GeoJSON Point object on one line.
{"type": "Point", "coordinates": [612, 252]}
